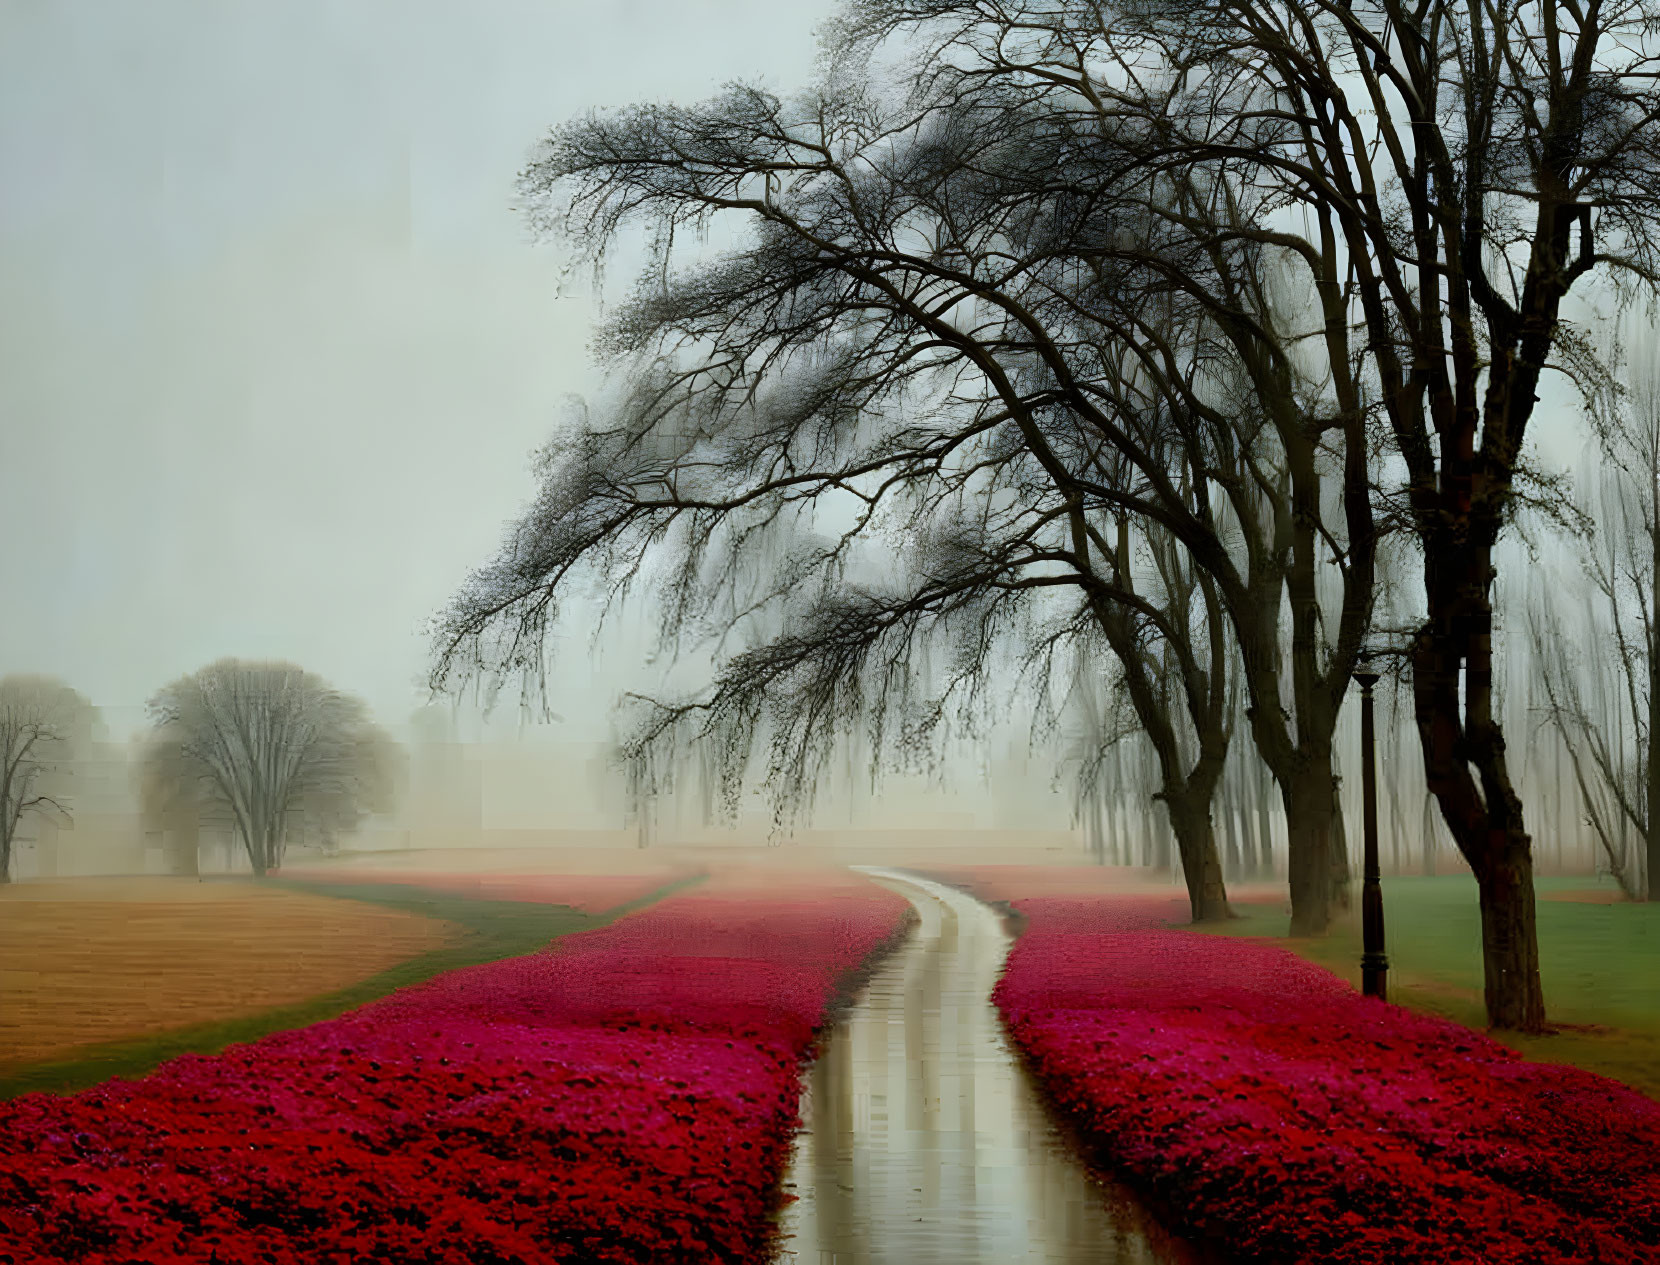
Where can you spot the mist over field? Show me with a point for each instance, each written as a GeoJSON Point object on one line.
{"type": "Point", "coordinates": [273, 368]}
{"type": "Point", "coordinates": [877, 630]}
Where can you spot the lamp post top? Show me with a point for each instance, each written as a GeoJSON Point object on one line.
{"type": "Point", "coordinates": [1365, 677]}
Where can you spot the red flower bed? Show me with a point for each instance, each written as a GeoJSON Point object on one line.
{"type": "Point", "coordinates": [627, 1095]}
{"type": "Point", "coordinates": [1264, 1105]}
{"type": "Point", "coordinates": [588, 893]}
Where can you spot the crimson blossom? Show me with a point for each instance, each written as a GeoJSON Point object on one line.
{"type": "Point", "coordinates": [1261, 1104]}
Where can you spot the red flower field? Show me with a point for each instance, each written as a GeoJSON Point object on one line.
{"type": "Point", "coordinates": [627, 1095]}
{"type": "Point", "coordinates": [1263, 1105]}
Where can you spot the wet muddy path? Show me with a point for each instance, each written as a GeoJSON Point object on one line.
{"type": "Point", "coordinates": [924, 1140]}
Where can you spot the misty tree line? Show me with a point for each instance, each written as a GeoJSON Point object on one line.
{"type": "Point", "coordinates": [1188, 350]}
{"type": "Point", "coordinates": [264, 751]}
{"type": "Point", "coordinates": [1122, 824]}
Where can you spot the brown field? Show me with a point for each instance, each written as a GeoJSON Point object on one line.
{"type": "Point", "coordinates": [84, 961]}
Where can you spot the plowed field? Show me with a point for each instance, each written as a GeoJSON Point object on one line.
{"type": "Point", "coordinates": [84, 961]}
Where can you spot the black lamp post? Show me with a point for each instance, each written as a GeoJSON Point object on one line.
{"type": "Point", "coordinates": [1374, 965]}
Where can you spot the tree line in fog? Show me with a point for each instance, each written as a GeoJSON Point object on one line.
{"type": "Point", "coordinates": [264, 751]}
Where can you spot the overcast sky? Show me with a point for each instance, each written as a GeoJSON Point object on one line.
{"type": "Point", "coordinates": [274, 345]}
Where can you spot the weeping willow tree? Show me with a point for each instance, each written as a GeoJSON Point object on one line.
{"type": "Point", "coordinates": [879, 456]}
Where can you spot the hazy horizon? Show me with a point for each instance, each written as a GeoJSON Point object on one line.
{"type": "Point", "coordinates": [276, 346]}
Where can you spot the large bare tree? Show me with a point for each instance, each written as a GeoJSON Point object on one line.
{"type": "Point", "coordinates": [954, 318]}
{"type": "Point", "coordinates": [42, 720]}
{"type": "Point", "coordinates": [1451, 171]}
{"type": "Point", "coordinates": [268, 749]}
{"type": "Point", "coordinates": [916, 405]}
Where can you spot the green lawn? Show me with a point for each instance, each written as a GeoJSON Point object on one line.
{"type": "Point", "coordinates": [1600, 966]}
{"type": "Point", "coordinates": [492, 929]}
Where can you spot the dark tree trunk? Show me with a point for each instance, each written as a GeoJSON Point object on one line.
{"type": "Point", "coordinates": [1510, 943]}
{"type": "Point", "coordinates": [1651, 866]}
{"type": "Point", "coordinates": [1651, 749]}
{"type": "Point", "coordinates": [1461, 742]}
{"type": "Point", "coordinates": [1308, 804]}
{"type": "Point", "coordinates": [1162, 859]}
{"type": "Point", "coordinates": [1341, 874]}
{"type": "Point", "coordinates": [1195, 834]}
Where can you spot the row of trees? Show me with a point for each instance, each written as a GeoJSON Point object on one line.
{"type": "Point", "coordinates": [264, 750]}
{"type": "Point", "coordinates": [1597, 644]}
{"type": "Point", "coordinates": [1142, 340]}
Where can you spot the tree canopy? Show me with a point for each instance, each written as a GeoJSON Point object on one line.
{"type": "Point", "coordinates": [1022, 295]}
{"type": "Point", "coordinates": [269, 750]}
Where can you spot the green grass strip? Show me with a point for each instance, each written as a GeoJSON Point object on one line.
{"type": "Point", "coordinates": [1599, 964]}
{"type": "Point", "coordinates": [491, 929]}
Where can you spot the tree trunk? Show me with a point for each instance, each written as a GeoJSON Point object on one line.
{"type": "Point", "coordinates": [1651, 866]}
{"type": "Point", "coordinates": [1158, 831]}
{"type": "Point", "coordinates": [1341, 874]}
{"type": "Point", "coordinates": [256, 852]}
{"type": "Point", "coordinates": [1265, 823]}
{"type": "Point", "coordinates": [1509, 941]}
{"type": "Point", "coordinates": [1308, 805]}
{"type": "Point", "coordinates": [1195, 834]}
{"type": "Point", "coordinates": [1462, 741]}
{"type": "Point", "coordinates": [1650, 754]}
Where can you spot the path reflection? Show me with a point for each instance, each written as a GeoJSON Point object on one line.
{"type": "Point", "coordinates": [924, 1141]}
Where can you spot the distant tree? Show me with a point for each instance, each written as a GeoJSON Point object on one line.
{"type": "Point", "coordinates": [40, 719]}
{"type": "Point", "coordinates": [268, 749]}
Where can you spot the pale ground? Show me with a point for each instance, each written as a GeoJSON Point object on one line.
{"type": "Point", "coordinates": [91, 960]}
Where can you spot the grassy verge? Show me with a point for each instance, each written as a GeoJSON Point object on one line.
{"type": "Point", "coordinates": [491, 929]}
{"type": "Point", "coordinates": [1600, 965]}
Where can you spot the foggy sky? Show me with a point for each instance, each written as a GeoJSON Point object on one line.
{"type": "Point", "coordinates": [274, 345]}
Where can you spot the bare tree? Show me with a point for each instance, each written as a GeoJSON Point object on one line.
{"type": "Point", "coordinates": [1173, 688]}
{"type": "Point", "coordinates": [42, 721]}
{"type": "Point", "coordinates": [952, 349]}
{"type": "Point", "coordinates": [269, 750]}
{"type": "Point", "coordinates": [1450, 172]}
{"type": "Point", "coordinates": [1605, 707]}
{"type": "Point", "coordinates": [1289, 472]}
